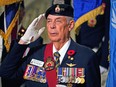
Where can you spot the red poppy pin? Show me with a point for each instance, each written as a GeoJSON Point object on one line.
{"type": "Point", "coordinates": [71, 52]}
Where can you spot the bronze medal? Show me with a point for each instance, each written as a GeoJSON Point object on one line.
{"type": "Point", "coordinates": [69, 85]}
{"type": "Point", "coordinates": [73, 79]}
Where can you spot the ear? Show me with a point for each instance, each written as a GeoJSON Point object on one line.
{"type": "Point", "coordinates": [71, 25]}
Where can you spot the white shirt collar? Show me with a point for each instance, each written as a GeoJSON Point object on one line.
{"type": "Point", "coordinates": [63, 50]}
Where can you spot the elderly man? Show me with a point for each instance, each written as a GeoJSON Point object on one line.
{"type": "Point", "coordinates": [60, 63]}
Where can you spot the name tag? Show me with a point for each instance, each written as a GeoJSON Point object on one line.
{"type": "Point", "coordinates": [37, 62]}
{"type": "Point", "coordinates": [59, 85]}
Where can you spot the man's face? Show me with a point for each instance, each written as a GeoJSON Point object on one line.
{"type": "Point", "coordinates": [58, 28]}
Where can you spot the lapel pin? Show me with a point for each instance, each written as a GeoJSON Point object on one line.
{"type": "Point", "coordinates": [70, 64]}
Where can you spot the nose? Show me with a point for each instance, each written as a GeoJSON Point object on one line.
{"type": "Point", "coordinates": [52, 25]}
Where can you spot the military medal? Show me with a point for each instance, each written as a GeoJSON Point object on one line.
{"type": "Point", "coordinates": [70, 75]}
{"type": "Point", "coordinates": [80, 75]}
{"type": "Point", "coordinates": [63, 79]}
{"type": "Point", "coordinates": [82, 80]}
{"type": "Point", "coordinates": [59, 74]}
{"type": "Point", "coordinates": [73, 75]}
{"type": "Point", "coordinates": [78, 80]}
{"type": "Point", "coordinates": [49, 64]}
{"type": "Point", "coordinates": [69, 85]}
{"type": "Point", "coordinates": [44, 80]}
{"type": "Point", "coordinates": [64, 72]}
{"type": "Point", "coordinates": [81, 72]}
{"type": "Point", "coordinates": [35, 73]}
{"type": "Point", "coordinates": [28, 71]}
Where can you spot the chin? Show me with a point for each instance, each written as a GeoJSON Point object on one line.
{"type": "Point", "coordinates": [54, 40]}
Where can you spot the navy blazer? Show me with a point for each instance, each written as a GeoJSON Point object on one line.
{"type": "Point", "coordinates": [14, 66]}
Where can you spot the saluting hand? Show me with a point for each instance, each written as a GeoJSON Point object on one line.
{"type": "Point", "coordinates": [34, 30]}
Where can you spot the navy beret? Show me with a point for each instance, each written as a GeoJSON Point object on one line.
{"type": "Point", "coordinates": [60, 9]}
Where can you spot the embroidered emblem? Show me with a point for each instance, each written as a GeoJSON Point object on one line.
{"type": "Point", "coordinates": [49, 65]}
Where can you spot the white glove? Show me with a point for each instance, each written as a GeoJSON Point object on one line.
{"type": "Point", "coordinates": [34, 30]}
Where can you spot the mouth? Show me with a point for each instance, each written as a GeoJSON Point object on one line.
{"type": "Point", "coordinates": [53, 34]}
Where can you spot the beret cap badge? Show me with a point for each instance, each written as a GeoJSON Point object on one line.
{"type": "Point", "coordinates": [57, 9]}
{"type": "Point", "coordinates": [60, 9]}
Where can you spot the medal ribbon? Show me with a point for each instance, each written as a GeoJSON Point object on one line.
{"type": "Point", "coordinates": [50, 75]}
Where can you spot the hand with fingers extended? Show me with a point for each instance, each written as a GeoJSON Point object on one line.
{"type": "Point", "coordinates": [34, 30]}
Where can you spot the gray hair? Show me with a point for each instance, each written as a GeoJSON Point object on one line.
{"type": "Point", "coordinates": [69, 19]}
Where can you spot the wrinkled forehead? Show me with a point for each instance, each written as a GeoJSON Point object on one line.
{"type": "Point", "coordinates": [57, 18]}
{"type": "Point", "coordinates": [50, 16]}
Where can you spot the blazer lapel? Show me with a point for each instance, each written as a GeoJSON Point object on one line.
{"type": "Point", "coordinates": [66, 60]}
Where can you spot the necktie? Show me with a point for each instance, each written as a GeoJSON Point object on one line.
{"type": "Point", "coordinates": [57, 56]}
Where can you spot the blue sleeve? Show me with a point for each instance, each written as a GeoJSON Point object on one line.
{"type": "Point", "coordinates": [10, 65]}
{"type": "Point", "coordinates": [93, 73]}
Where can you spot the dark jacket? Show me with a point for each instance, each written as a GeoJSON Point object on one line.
{"type": "Point", "coordinates": [14, 66]}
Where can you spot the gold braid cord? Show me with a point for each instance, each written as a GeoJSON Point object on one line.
{"type": "Point", "coordinates": [7, 2]}
{"type": "Point", "coordinates": [9, 30]}
{"type": "Point", "coordinates": [92, 14]}
{"type": "Point", "coordinates": [2, 33]}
